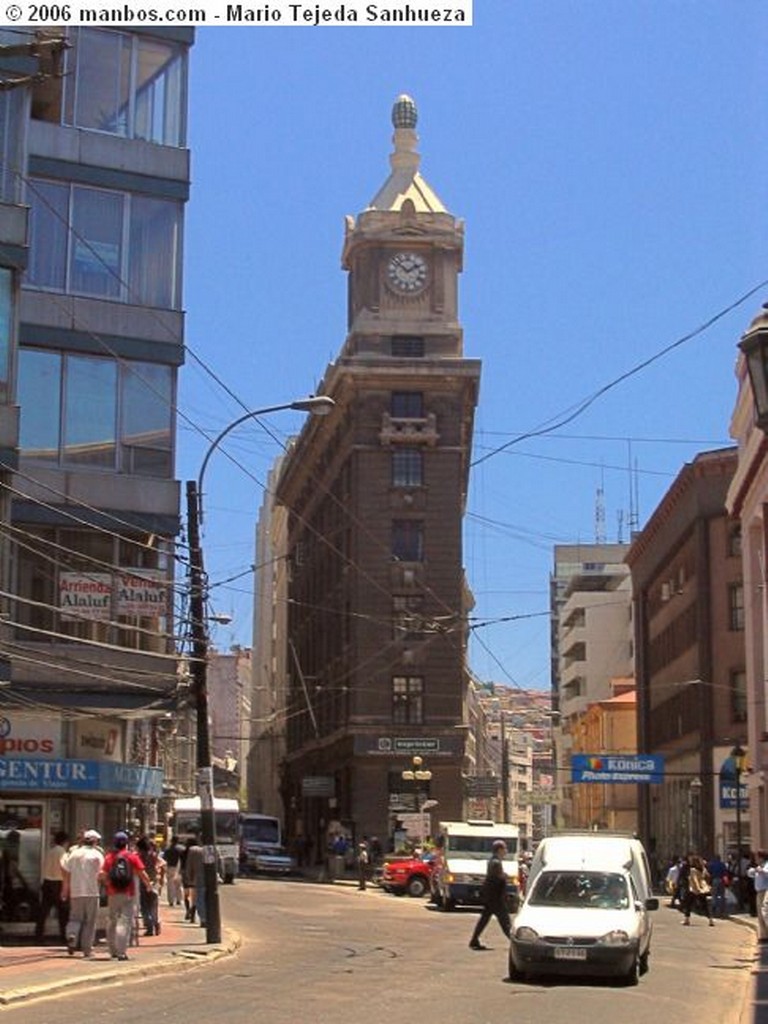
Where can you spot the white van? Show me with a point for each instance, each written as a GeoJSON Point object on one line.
{"type": "Point", "coordinates": [580, 848]}
{"type": "Point", "coordinates": [585, 909]}
{"type": "Point", "coordinates": [461, 862]}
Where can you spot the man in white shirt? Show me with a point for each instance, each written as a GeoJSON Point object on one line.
{"type": "Point", "coordinates": [81, 887]}
{"type": "Point", "coordinates": [53, 879]}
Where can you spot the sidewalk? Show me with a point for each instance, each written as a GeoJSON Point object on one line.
{"type": "Point", "coordinates": [31, 972]}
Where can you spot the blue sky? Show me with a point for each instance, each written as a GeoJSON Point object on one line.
{"type": "Point", "coordinates": [610, 159]}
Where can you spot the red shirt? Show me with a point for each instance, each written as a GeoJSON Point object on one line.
{"type": "Point", "coordinates": [136, 863]}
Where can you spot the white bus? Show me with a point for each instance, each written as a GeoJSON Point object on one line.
{"type": "Point", "coordinates": [186, 821]}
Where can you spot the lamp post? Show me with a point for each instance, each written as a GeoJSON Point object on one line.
{"type": "Point", "coordinates": [738, 754]}
{"type": "Point", "coordinates": [417, 774]}
{"type": "Point", "coordinates": [320, 405]}
{"type": "Point", "coordinates": [694, 811]}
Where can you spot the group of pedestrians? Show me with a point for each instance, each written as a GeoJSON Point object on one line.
{"type": "Point", "coordinates": [714, 886]}
{"type": "Point", "coordinates": [82, 877]}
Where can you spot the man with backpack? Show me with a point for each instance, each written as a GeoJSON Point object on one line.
{"type": "Point", "coordinates": [122, 868]}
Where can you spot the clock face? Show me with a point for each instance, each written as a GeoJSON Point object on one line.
{"type": "Point", "coordinates": [407, 272]}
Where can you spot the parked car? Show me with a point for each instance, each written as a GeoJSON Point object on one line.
{"type": "Point", "coordinates": [411, 875]}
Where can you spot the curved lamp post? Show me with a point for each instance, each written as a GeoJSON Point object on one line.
{"type": "Point", "coordinates": [318, 405]}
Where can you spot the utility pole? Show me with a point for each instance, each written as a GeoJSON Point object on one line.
{"type": "Point", "coordinates": [199, 672]}
{"type": "Point", "coordinates": [504, 770]}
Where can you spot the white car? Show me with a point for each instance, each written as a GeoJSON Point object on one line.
{"type": "Point", "coordinates": [582, 922]}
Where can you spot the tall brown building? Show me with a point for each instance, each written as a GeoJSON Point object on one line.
{"type": "Point", "coordinates": [688, 589]}
{"type": "Point", "coordinates": [376, 493]}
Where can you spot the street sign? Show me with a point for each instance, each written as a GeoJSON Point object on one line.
{"type": "Point", "coordinates": [481, 785]}
{"type": "Point", "coordinates": [535, 798]}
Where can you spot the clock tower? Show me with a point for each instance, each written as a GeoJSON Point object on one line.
{"type": "Point", "coordinates": [404, 255]}
{"type": "Point", "coordinates": [375, 493]}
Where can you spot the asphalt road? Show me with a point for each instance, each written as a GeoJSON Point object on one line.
{"type": "Point", "coordinates": [327, 954]}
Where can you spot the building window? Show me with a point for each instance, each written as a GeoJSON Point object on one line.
{"type": "Point", "coordinates": [736, 606]}
{"type": "Point", "coordinates": [407, 616]}
{"type": "Point", "coordinates": [407, 700]}
{"type": "Point", "coordinates": [408, 540]}
{"type": "Point", "coordinates": [122, 84]}
{"type": "Point", "coordinates": [407, 405]}
{"type": "Point", "coordinates": [739, 696]}
{"type": "Point", "coordinates": [734, 541]}
{"type": "Point", "coordinates": [408, 348]}
{"type": "Point", "coordinates": [97, 412]}
{"type": "Point", "coordinates": [407, 467]}
{"type": "Point", "coordinates": [112, 245]}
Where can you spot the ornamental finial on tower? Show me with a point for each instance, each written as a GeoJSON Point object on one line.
{"type": "Point", "coordinates": [404, 113]}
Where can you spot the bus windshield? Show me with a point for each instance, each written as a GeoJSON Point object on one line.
{"type": "Point", "coordinates": [261, 830]}
{"type": "Point", "coordinates": [189, 823]}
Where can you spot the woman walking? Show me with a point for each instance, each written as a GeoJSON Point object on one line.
{"type": "Point", "coordinates": [698, 890]}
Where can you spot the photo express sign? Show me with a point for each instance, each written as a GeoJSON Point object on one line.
{"type": "Point", "coordinates": [617, 768]}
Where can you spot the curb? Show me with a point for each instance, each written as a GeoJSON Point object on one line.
{"type": "Point", "coordinates": [181, 959]}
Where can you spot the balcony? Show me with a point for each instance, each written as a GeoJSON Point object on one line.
{"type": "Point", "coordinates": [407, 430]}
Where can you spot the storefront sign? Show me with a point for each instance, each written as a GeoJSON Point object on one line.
{"type": "Point", "coordinates": [98, 739]}
{"type": "Point", "coordinates": [85, 596]}
{"type": "Point", "coordinates": [65, 775]}
{"type": "Point", "coordinates": [318, 785]}
{"type": "Point", "coordinates": [617, 768]}
{"type": "Point", "coordinates": [138, 593]}
{"type": "Point", "coordinates": [26, 734]}
{"type": "Point", "coordinates": [410, 746]}
{"type": "Point", "coordinates": [142, 593]}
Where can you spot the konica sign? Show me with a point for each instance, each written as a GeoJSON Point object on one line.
{"type": "Point", "coordinates": [617, 768]}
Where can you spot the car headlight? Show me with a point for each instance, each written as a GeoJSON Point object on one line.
{"type": "Point", "coordinates": [614, 938]}
{"type": "Point", "coordinates": [525, 934]}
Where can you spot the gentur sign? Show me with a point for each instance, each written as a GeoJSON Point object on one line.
{"type": "Point", "coordinates": [617, 768]}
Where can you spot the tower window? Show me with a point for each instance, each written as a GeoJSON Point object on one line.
{"type": "Point", "coordinates": [408, 347]}
{"type": "Point", "coordinates": [407, 616]}
{"type": "Point", "coordinates": [407, 467]}
{"type": "Point", "coordinates": [407, 540]}
{"type": "Point", "coordinates": [407, 700]}
{"type": "Point", "coordinates": [407, 405]}
{"type": "Point", "coordinates": [736, 606]}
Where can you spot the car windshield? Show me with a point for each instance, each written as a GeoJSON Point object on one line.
{"type": "Point", "coordinates": [595, 889]}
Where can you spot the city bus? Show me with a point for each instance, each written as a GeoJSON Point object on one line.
{"type": "Point", "coordinates": [186, 821]}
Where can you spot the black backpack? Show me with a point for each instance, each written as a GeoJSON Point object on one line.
{"type": "Point", "coordinates": [121, 872]}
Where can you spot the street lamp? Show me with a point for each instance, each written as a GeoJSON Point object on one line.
{"type": "Point", "coordinates": [318, 405]}
{"type": "Point", "coordinates": [754, 345]}
{"type": "Point", "coordinates": [738, 754]}
{"type": "Point", "coordinates": [694, 811]}
{"type": "Point", "coordinates": [417, 774]}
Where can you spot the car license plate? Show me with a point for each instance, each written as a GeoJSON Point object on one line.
{"type": "Point", "coordinates": [570, 953]}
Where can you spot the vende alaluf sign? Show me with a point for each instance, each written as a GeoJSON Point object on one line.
{"type": "Point", "coordinates": [138, 593]}
{"type": "Point", "coordinates": [617, 768]}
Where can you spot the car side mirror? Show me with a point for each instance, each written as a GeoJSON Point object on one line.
{"type": "Point", "coordinates": [652, 903]}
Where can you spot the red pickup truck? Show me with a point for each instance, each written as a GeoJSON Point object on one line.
{"type": "Point", "coordinates": [407, 874]}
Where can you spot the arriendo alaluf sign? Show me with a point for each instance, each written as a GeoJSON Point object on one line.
{"type": "Point", "coordinates": [139, 593]}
